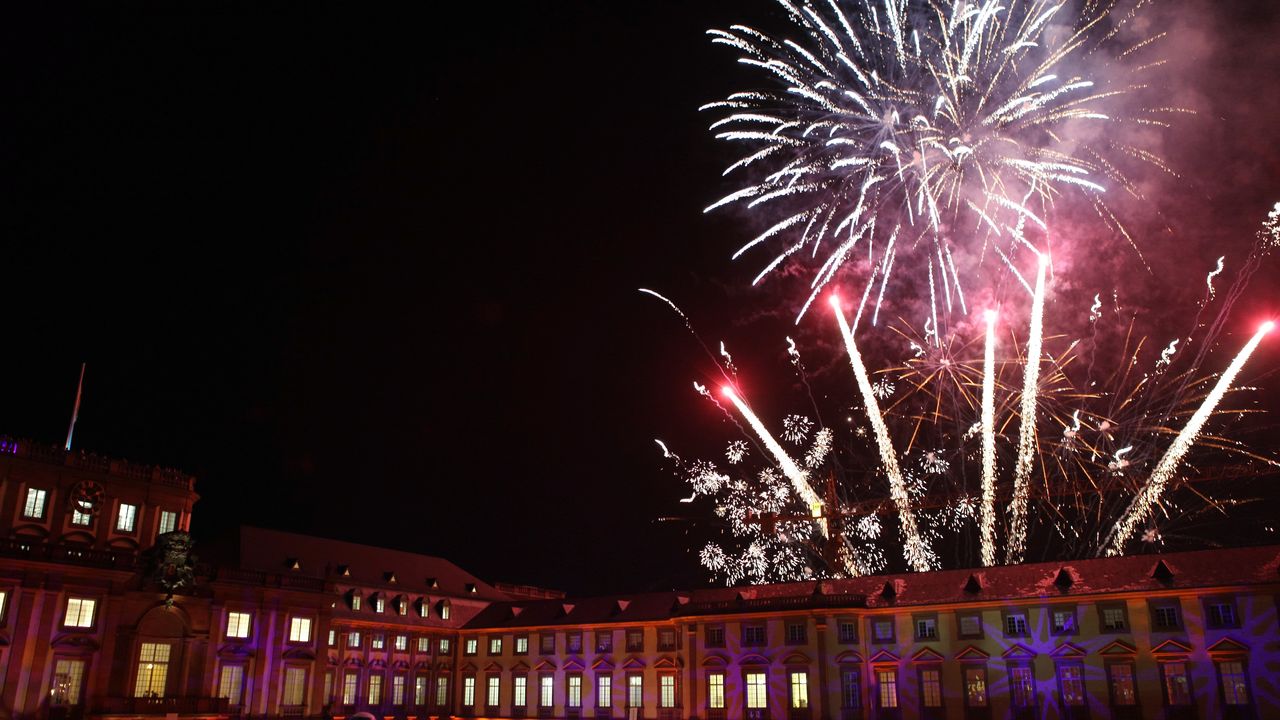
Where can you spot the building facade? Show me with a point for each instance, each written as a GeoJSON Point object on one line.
{"type": "Point", "coordinates": [104, 613]}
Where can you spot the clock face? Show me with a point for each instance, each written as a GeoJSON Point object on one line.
{"type": "Point", "coordinates": [87, 497]}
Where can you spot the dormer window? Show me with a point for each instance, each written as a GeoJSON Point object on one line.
{"type": "Point", "coordinates": [402, 605]}
{"type": "Point", "coordinates": [353, 599]}
{"type": "Point", "coordinates": [444, 609]}
{"type": "Point", "coordinates": [424, 607]}
{"type": "Point", "coordinates": [379, 603]}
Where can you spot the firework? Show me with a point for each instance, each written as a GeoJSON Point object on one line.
{"type": "Point", "coordinates": [987, 520]}
{"type": "Point", "coordinates": [798, 478]}
{"type": "Point", "coordinates": [955, 125]}
{"type": "Point", "coordinates": [1027, 425]}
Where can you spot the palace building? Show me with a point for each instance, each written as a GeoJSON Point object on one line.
{"type": "Point", "coordinates": [105, 614]}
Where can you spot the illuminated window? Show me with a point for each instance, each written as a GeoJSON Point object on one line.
{"type": "Point", "coordinates": [402, 642]}
{"type": "Point", "coordinates": [796, 634]}
{"type": "Point", "coordinates": [34, 507]}
{"type": "Point", "coordinates": [402, 606]}
{"type": "Point", "coordinates": [1022, 686]}
{"type": "Point", "coordinates": [519, 690]}
{"type": "Point", "coordinates": [68, 678]}
{"type": "Point", "coordinates": [753, 635]}
{"type": "Point", "coordinates": [757, 691]}
{"type": "Point", "coordinates": [1015, 624]}
{"type": "Point", "coordinates": [420, 690]}
{"type": "Point", "coordinates": [444, 609]}
{"type": "Point", "coordinates": [635, 640]}
{"type": "Point", "coordinates": [397, 690]}
{"type": "Point", "coordinates": [715, 636]}
{"type": "Point", "coordinates": [522, 644]}
{"type": "Point", "coordinates": [231, 683]}
{"type": "Point", "coordinates": [799, 689]}
{"type": "Point", "coordinates": [470, 646]}
{"type": "Point", "coordinates": [1177, 683]}
{"type": "Point", "coordinates": [882, 630]}
{"type": "Point", "coordinates": [295, 686]}
{"type": "Point", "coordinates": [604, 641]}
{"type": "Point", "coordinates": [927, 628]}
{"type": "Point", "coordinates": [975, 687]}
{"type": "Point", "coordinates": [635, 690]}
{"type": "Point", "coordinates": [666, 639]}
{"type": "Point", "coordinates": [887, 686]}
{"type": "Point", "coordinates": [1120, 679]}
{"type": "Point", "coordinates": [375, 689]}
{"type": "Point", "coordinates": [442, 690]}
{"type": "Point", "coordinates": [931, 687]}
{"type": "Point", "coordinates": [715, 691]}
{"type": "Point", "coordinates": [238, 624]}
{"type": "Point", "coordinates": [126, 517]}
{"type": "Point", "coordinates": [468, 691]}
{"type": "Point", "coordinates": [355, 600]}
{"type": "Point", "coordinates": [444, 646]}
{"type": "Point", "coordinates": [168, 521]}
{"type": "Point", "coordinates": [492, 691]}
{"type": "Point", "coordinates": [328, 687]}
{"type": "Point", "coordinates": [79, 612]}
{"type": "Point", "coordinates": [546, 690]}
{"type": "Point", "coordinates": [847, 631]}
{"type": "Point", "coordinates": [1113, 618]}
{"type": "Point", "coordinates": [353, 640]}
{"type": "Point", "coordinates": [1062, 621]}
{"type": "Point", "coordinates": [604, 691]}
{"type": "Point", "coordinates": [495, 645]}
{"type": "Point", "coordinates": [379, 603]}
{"type": "Point", "coordinates": [299, 629]}
{"type": "Point", "coordinates": [82, 519]}
{"type": "Point", "coordinates": [378, 642]}
{"type": "Point", "coordinates": [333, 638]}
{"type": "Point", "coordinates": [850, 689]}
{"type": "Point", "coordinates": [349, 688]}
{"type": "Point", "coordinates": [1071, 683]}
{"type": "Point", "coordinates": [424, 607]}
{"type": "Point", "coordinates": [153, 670]}
{"type": "Point", "coordinates": [1235, 682]}
{"type": "Point", "coordinates": [573, 690]}
{"type": "Point", "coordinates": [424, 644]}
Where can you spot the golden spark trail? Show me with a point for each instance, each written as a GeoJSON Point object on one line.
{"type": "Point", "coordinates": [1027, 427]}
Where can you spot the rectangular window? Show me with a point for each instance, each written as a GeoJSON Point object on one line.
{"type": "Point", "coordinates": [238, 624]}
{"type": "Point", "coordinates": [931, 687]}
{"type": "Point", "coordinates": [379, 603]}
{"type": "Point", "coordinates": [1063, 621]}
{"type": "Point", "coordinates": [1221, 614]}
{"type": "Point", "coordinates": [444, 646]}
{"type": "Point", "coordinates": [796, 634]}
{"type": "Point", "coordinates": [715, 636]}
{"type": "Point", "coordinates": [353, 640]}
{"type": "Point", "coordinates": [82, 519]}
{"type": "Point", "coordinates": [442, 691]}
{"type": "Point", "coordinates": [757, 691]}
{"type": "Point", "coordinates": [753, 635]}
{"type": "Point", "coordinates": [1120, 679]}
{"type": "Point", "coordinates": [635, 640]}
{"type": "Point", "coordinates": [402, 642]}
{"type": "Point", "coordinates": [666, 639]}
{"type": "Point", "coordinates": [666, 690]}
{"type": "Point", "coordinates": [546, 691]}
{"type": "Point", "coordinates": [168, 521]}
{"type": "Point", "coordinates": [79, 612]}
{"type": "Point", "coordinates": [927, 628]}
{"type": "Point", "coordinates": [1235, 684]}
{"type": "Point", "coordinates": [349, 688]}
{"type": "Point", "coordinates": [375, 689]}
{"type": "Point", "coordinates": [604, 641]}
{"type": "Point", "coordinates": [424, 644]}
{"type": "Point", "coordinates": [547, 643]}
{"type": "Point", "coordinates": [68, 678]}
{"type": "Point", "coordinates": [882, 631]}
{"type": "Point", "coordinates": [970, 625]}
{"type": "Point", "coordinates": [424, 607]}
{"type": "Point", "coordinates": [1165, 617]}
{"type": "Point", "coordinates": [850, 689]}
{"type": "Point", "coordinates": [468, 691]}
{"type": "Point", "coordinates": [573, 642]}
{"type": "Point", "coordinates": [715, 691]}
{"type": "Point", "coordinates": [231, 683]}
{"type": "Point", "coordinates": [493, 691]}
{"type": "Point", "coordinates": [153, 670]}
{"type": "Point", "coordinates": [1022, 686]}
{"type": "Point", "coordinates": [799, 686]}
{"type": "Point", "coordinates": [420, 690]}
{"type": "Point", "coordinates": [519, 690]}
{"type": "Point", "coordinates": [328, 688]}
{"type": "Point", "coordinates": [848, 631]}
{"type": "Point", "coordinates": [573, 696]}
{"type": "Point", "coordinates": [1113, 618]}
{"type": "Point", "coordinates": [355, 600]}
{"type": "Point", "coordinates": [1015, 624]}
{"type": "Point", "coordinates": [378, 642]}
{"type": "Point", "coordinates": [1177, 683]}
{"type": "Point", "coordinates": [522, 644]}
{"type": "Point", "coordinates": [887, 687]}
{"type": "Point", "coordinates": [295, 686]}
{"type": "Point", "coordinates": [299, 629]}
{"type": "Point", "coordinates": [495, 646]}
{"type": "Point", "coordinates": [635, 691]}
{"type": "Point", "coordinates": [975, 687]}
{"type": "Point", "coordinates": [33, 508]}
{"type": "Point", "coordinates": [604, 691]}
{"type": "Point", "coordinates": [126, 517]}
{"type": "Point", "coordinates": [1071, 683]}
{"type": "Point", "coordinates": [470, 646]}
{"type": "Point", "coordinates": [333, 638]}
{"type": "Point", "coordinates": [402, 606]}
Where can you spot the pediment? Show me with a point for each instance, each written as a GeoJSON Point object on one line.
{"type": "Point", "coordinates": [520, 667]}
{"type": "Point", "coordinates": [400, 665]}
{"type": "Point", "coordinates": [884, 656]}
{"type": "Point", "coordinates": [796, 658]}
{"type": "Point", "coordinates": [973, 653]}
{"type": "Point", "coordinates": [422, 665]}
{"type": "Point", "coordinates": [1171, 647]}
{"type": "Point", "coordinates": [574, 664]}
{"type": "Point", "coordinates": [378, 664]}
{"type": "Point", "coordinates": [1227, 646]}
{"type": "Point", "coordinates": [1018, 652]}
{"type": "Point", "coordinates": [469, 667]}
{"type": "Point", "coordinates": [1118, 647]}
{"type": "Point", "coordinates": [235, 650]}
{"type": "Point", "coordinates": [667, 662]}
{"type": "Point", "coordinates": [926, 655]}
{"type": "Point", "coordinates": [714, 661]}
{"type": "Point", "coordinates": [79, 642]}
{"type": "Point", "coordinates": [1068, 650]}
{"type": "Point", "coordinates": [444, 665]}
{"type": "Point", "coordinates": [544, 664]}
{"type": "Point", "coordinates": [632, 662]}
{"type": "Point", "coordinates": [602, 664]}
{"type": "Point", "coordinates": [753, 659]}
{"type": "Point", "coordinates": [353, 662]}
{"type": "Point", "coordinates": [849, 656]}
{"type": "Point", "coordinates": [493, 667]}
{"type": "Point", "coordinates": [299, 653]}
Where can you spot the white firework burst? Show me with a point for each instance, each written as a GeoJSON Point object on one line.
{"type": "Point", "coordinates": [795, 428]}
{"type": "Point", "coordinates": [736, 451]}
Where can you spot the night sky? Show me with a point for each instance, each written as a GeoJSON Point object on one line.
{"type": "Point", "coordinates": [370, 273]}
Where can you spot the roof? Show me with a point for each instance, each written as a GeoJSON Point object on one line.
{"type": "Point", "coordinates": [368, 566]}
{"type": "Point", "coordinates": [1226, 567]}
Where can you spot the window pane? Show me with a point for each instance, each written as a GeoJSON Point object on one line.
{"type": "Point", "coordinates": [519, 690]}
{"type": "Point", "coordinates": [1022, 686]}
{"type": "Point", "coordinates": [887, 680]}
{"type": "Point", "coordinates": [153, 670]}
{"type": "Point", "coordinates": [295, 685]}
{"type": "Point", "coordinates": [68, 678]}
{"type": "Point", "coordinates": [799, 690]}
{"type": "Point", "coordinates": [1235, 687]}
{"type": "Point", "coordinates": [757, 694]}
{"type": "Point", "coordinates": [931, 687]}
{"type": "Point", "coordinates": [1122, 690]}
{"type": "Point", "coordinates": [238, 625]}
{"type": "Point", "coordinates": [230, 683]}
{"type": "Point", "coordinates": [127, 517]}
{"type": "Point", "coordinates": [604, 691]}
{"type": "Point", "coordinates": [1071, 680]}
{"type": "Point", "coordinates": [34, 506]}
{"type": "Point", "coordinates": [975, 687]}
{"type": "Point", "coordinates": [715, 691]}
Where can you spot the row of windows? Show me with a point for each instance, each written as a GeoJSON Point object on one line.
{"type": "Point", "coordinates": [378, 641]}
{"type": "Point", "coordinates": [545, 697]}
{"type": "Point", "coordinates": [36, 505]}
{"type": "Point", "coordinates": [401, 604]}
{"type": "Point", "coordinates": [668, 640]}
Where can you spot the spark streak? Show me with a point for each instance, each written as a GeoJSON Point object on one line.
{"type": "Point", "coordinates": [1027, 426]}
{"type": "Point", "coordinates": [987, 520]}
